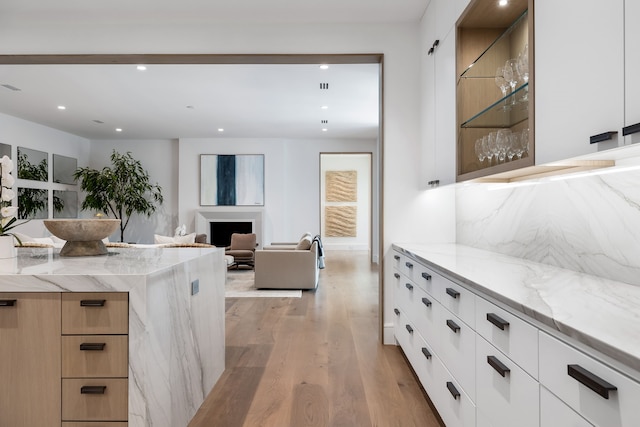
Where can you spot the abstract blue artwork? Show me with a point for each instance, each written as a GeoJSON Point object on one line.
{"type": "Point", "coordinates": [232, 180]}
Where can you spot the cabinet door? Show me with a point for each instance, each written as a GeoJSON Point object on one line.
{"type": "Point", "coordinates": [428, 87]}
{"type": "Point", "coordinates": [632, 65]}
{"type": "Point", "coordinates": [445, 109]}
{"type": "Point", "coordinates": [553, 412]}
{"type": "Point", "coordinates": [30, 355]}
{"type": "Point", "coordinates": [579, 76]}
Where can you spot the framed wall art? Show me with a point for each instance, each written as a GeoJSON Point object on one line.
{"type": "Point", "coordinates": [232, 179]}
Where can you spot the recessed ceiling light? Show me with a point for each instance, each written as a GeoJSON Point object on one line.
{"type": "Point", "coordinates": [220, 130]}
{"type": "Point", "coordinates": [324, 129]}
{"type": "Point", "coordinates": [503, 2]}
{"type": "Point", "coordinates": [324, 67]}
{"type": "Point", "coordinates": [141, 68]}
{"type": "Point", "coordinates": [61, 107]}
{"type": "Point", "coordinates": [118, 130]}
{"type": "Point", "coordinates": [324, 107]}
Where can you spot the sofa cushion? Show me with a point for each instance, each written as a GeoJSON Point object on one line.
{"type": "Point", "coordinates": [304, 244]}
{"type": "Point", "coordinates": [159, 239]}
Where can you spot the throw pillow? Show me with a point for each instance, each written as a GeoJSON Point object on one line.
{"type": "Point", "coordinates": [159, 239]}
{"type": "Point", "coordinates": [189, 238]}
{"type": "Point", "coordinates": [304, 244]}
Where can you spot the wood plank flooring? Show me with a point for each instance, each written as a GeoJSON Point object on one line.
{"type": "Point", "coordinates": [316, 360]}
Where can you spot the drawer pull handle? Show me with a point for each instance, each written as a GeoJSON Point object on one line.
{"type": "Point", "coordinates": [497, 365]}
{"type": "Point", "coordinates": [396, 275]}
{"type": "Point", "coordinates": [426, 276]}
{"type": "Point", "coordinates": [590, 380]}
{"type": "Point", "coordinates": [409, 328]}
{"type": "Point", "coordinates": [92, 302]}
{"type": "Point", "coordinates": [408, 264]}
{"type": "Point", "coordinates": [628, 130]}
{"type": "Point", "coordinates": [92, 346]}
{"type": "Point", "coordinates": [453, 293]}
{"type": "Point", "coordinates": [396, 257]}
{"type": "Point", "coordinates": [93, 389]}
{"type": "Point", "coordinates": [593, 139]}
{"type": "Point", "coordinates": [396, 311]}
{"type": "Point", "coordinates": [453, 390]}
{"type": "Point", "coordinates": [453, 326]}
{"type": "Point", "coordinates": [8, 302]}
{"type": "Point", "coordinates": [498, 321]}
{"type": "Point", "coordinates": [426, 353]}
{"type": "Point", "coordinates": [409, 286]}
{"type": "Point", "coordinates": [426, 302]}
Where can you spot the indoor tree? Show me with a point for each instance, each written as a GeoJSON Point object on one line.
{"type": "Point", "coordinates": [121, 190]}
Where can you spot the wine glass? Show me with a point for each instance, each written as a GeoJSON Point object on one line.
{"type": "Point", "coordinates": [515, 149]}
{"type": "Point", "coordinates": [524, 141]}
{"type": "Point", "coordinates": [501, 82]}
{"type": "Point", "coordinates": [510, 76]}
{"type": "Point", "coordinates": [492, 145]}
{"type": "Point", "coordinates": [502, 143]}
{"type": "Point", "coordinates": [522, 66]}
{"type": "Point", "coordinates": [479, 150]}
{"type": "Point", "coordinates": [487, 149]}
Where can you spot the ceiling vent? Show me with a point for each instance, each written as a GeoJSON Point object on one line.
{"type": "Point", "coordinates": [324, 85]}
{"type": "Point", "coordinates": [13, 88]}
{"type": "Point", "coordinates": [100, 122]}
{"type": "Point", "coordinates": [324, 122]}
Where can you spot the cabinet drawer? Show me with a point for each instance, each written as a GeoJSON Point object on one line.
{"type": "Point", "coordinates": [558, 360]}
{"type": "Point", "coordinates": [111, 405]}
{"type": "Point", "coordinates": [427, 316]}
{"type": "Point", "coordinates": [94, 356]}
{"type": "Point", "coordinates": [95, 313]}
{"type": "Point", "coordinates": [455, 410]}
{"type": "Point", "coordinates": [457, 350]}
{"type": "Point", "coordinates": [95, 424]}
{"type": "Point", "coordinates": [506, 398]}
{"type": "Point", "coordinates": [553, 412]}
{"type": "Point", "coordinates": [509, 334]}
{"type": "Point", "coordinates": [457, 300]}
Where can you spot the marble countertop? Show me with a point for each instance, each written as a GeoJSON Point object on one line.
{"type": "Point", "coordinates": [603, 314]}
{"type": "Point", "coordinates": [42, 270]}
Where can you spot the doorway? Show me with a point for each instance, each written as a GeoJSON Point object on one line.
{"type": "Point", "coordinates": [346, 201]}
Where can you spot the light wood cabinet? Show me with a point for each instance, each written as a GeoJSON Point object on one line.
{"type": "Point", "coordinates": [30, 359]}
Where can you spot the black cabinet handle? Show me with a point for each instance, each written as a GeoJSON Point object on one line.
{"type": "Point", "coordinates": [93, 389]}
{"type": "Point", "coordinates": [426, 353]}
{"type": "Point", "coordinates": [628, 130]}
{"type": "Point", "coordinates": [8, 302]}
{"type": "Point", "coordinates": [453, 390]}
{"type": "Point", "coordinates": [92, 302]}
{"type": "Point", "coordinates": [92, 346]}
{"type": "Point", "coordinates": [453, 293]}
{"type": "Point", "coordinates": [409, 328]}
{"type": "Point", "coordinates": [590, 380]}
{"type": "Point", "coordinates": [396, 275]}
{"type": "Point", "coordinates": [426, 302]}
{"type": "Point", "coordinates": [396, 257]}
{"type": "Point", "coordinates": [408, 264]}
{"type": "Point", "coordinates": [409, 286]}
{"type": "Point", "coordinates": [453, 326]}
{"type": "Point", "coordinates": [396, 311]}
{"type": "Point", "coordinates": [426, 276]}
{"type": "Point", "coordinates": [430, 51]}
{"type": "Point", "coordinates": [497, 321]}
{"type": "Point", "coordinates": [497, 365]}
{"type": "Point", "coordinates": [593, 139]}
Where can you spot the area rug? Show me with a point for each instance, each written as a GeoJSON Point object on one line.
{"type": "Point", "coordinates": [240, 284]}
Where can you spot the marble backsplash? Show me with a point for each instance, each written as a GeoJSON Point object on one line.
{"type": "Point", "coordinates": [589, 224]}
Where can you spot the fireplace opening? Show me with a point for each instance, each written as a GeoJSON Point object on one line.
{"type": "Point", "coordinates": [221, 231]}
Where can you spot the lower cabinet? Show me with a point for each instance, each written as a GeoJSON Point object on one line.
{"type": "Point", "coordinates": [69, 353]}
{"type": "Point", "coordinates": [486, 366]}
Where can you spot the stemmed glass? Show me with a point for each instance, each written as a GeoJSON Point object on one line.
{"type": "Point", "coordinates": [515, 149]}
{"type": "Point", "coordinates": [501, 82]}
{"type": "Point", "coordinates": [524, 141]}
{"type": "Point", "coordinates": [486, 147]}
{"type": "Point", "coordinates": [492, 145]}
{"type": "Point", "coordinates": [522, 66]}
{"type": "Point", "coordinates": [502, 143]}
{"type": "Point", "coordinates": [510, 76]}
{"type": "Point", "coordinates": [480, 150]}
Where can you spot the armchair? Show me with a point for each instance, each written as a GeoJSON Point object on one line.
{"type": "Point", "coordinates": [242, 248]}
{"type": "Point", "coordinates": [285, 267]}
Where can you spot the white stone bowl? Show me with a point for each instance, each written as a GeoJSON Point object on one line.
{"type": "Point", "coordinates": [83, 236]}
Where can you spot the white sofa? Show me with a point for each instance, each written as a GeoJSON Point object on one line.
{"type": "Point", "coordinates": [287, 266]}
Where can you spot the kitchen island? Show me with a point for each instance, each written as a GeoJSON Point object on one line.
{"type": "Point", "coordinates": [165, 306]}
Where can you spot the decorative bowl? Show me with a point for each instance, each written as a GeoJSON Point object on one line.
{"type": "Point", "coordinates": [83, 236]}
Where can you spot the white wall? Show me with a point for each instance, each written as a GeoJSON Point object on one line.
{"type": "Point", "coordinates": [21, 133]}
{"type": "Point", "coordinates": [292, 179]}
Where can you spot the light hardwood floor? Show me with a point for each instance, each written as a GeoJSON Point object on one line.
{"type": "Point", "coordinates": [315, 360]}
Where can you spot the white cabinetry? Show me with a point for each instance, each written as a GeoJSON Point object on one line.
{"type": "Point", "coordinates": [632, 68]}
{"type": "Point", "coordinates": [553, 412]}
{"type": "Point", "coordinates": [579, 76]}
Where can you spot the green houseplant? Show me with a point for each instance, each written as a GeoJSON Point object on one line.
{"type": "Point", "coordinates": [120, 191]}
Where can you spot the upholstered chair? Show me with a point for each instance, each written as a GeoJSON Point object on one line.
{"type": "Point", "coordinates": [242, 248]}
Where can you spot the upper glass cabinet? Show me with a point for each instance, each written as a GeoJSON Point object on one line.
{"type": "Point", "coordinates": [494, 89]}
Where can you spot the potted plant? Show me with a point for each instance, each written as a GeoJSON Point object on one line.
{"type": "Point", "coordinates": [120, 191]}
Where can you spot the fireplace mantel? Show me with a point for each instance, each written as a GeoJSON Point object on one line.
{"type": "Point", "coordinates": [205, 217]}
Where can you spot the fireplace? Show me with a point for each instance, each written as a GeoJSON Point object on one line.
{"type": "Point", "coordinates": [251, 218]}
{"type": "Point", "coordinates": [220, 231]}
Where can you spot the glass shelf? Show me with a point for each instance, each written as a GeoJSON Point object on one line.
{"type": "Point", "coordinates": [503, 113]}
{"type": "Point", "coordinates": [485, 65]}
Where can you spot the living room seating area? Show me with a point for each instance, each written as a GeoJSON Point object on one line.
{"type": "Point", "coordinates": [288, 265]}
